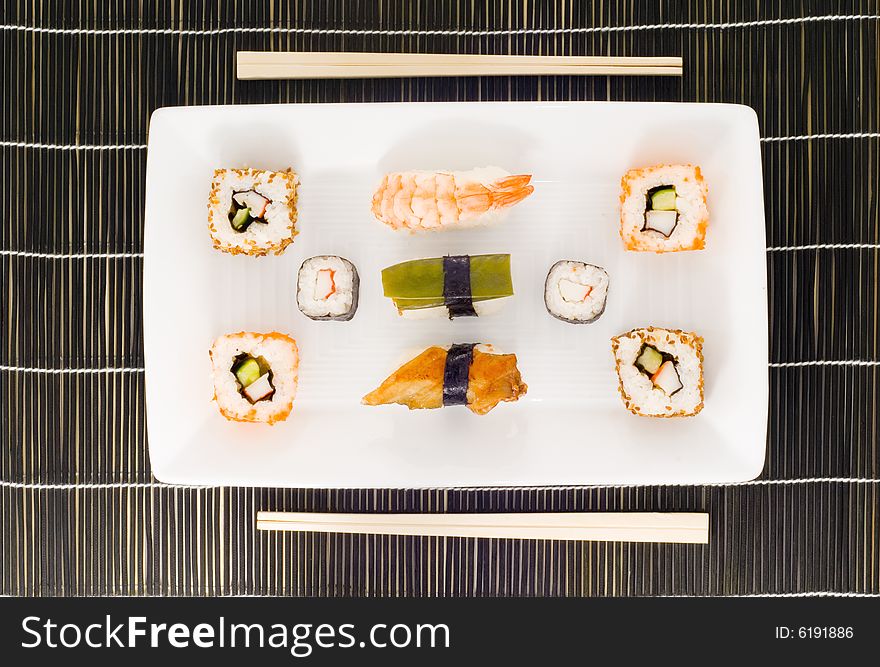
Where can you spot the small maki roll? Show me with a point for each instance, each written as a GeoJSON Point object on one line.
{"type": "Point", "coordinates": [252, 211]}
{"type": "Point", "coordinates": [255, 376]}
{"type": "Point", "coordinates": [660, 371]}
{"type": "Point", "coordinates": [468, 374]}
{"type": "Point", "coordinates": [663, 208]}
{"type": "Point", "coordinates": [327, 288]}
{"type": "Point", "coordinates": [454, 286]}
{"type": "Point", "coordinates": [575, 292]}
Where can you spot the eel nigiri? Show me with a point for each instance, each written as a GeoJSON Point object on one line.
{"type": "Point", "coordinates": [468, 375]}
{"type": "Point", "coordinates": [434, 200]}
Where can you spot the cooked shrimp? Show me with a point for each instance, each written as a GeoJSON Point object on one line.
{"type": "Point", "coordinates": [418, 200]}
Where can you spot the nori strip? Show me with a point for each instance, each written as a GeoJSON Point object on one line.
{"type": "Point", "coordinates": [455, 373]}
{"type": "Point", "coordinates": [457, 293]}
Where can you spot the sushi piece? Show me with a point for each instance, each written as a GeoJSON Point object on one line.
{"type": "Point", "coordinates": [576, 292]}
{"type": "Point", "coordinates": [471, 374]}
{"type": "Point", "coordinates": [663, 208]}
{"type": "Point", "coordinates": [435, 200]}
{"type": "Point", "coordinates": [457, 285]}
{"type": "Point", "coordinates": [327, 288]}
{"type": "Point", "coordinates": [255, 376]}
{"type": "Point", "coordinates": [252, 211]}
{"type": "Point", "coordinates": [660, 371]}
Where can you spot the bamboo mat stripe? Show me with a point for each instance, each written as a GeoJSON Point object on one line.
{"type": "Point", "coordinates": [207, 549]}
{"type": "Point", "coordinates": [823, 311]}
{"type": "Point", "coordinates": [101, 437]}
{"type": "Point", "coordinates": [824, 207]}
{"type": "Point", "coordinates": [445, 33]}
{"type": "Point", "coordinates": [162, 485]}
{"type": "Point", "coordinates": [734, 67]}
{"type": "Point", "coordinates": [81, 514]}
{"type": "Point", "coordinates": [122, 147]}
{"type": "Point", "coordinates": [124, 255]}
{"type": "Point", "coordinates": [69, 371]}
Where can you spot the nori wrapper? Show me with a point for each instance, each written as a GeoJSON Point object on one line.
{"type": "Point", "coordinates": [455, 374]}
{"type": "Point", "coordinates": [457, 286]}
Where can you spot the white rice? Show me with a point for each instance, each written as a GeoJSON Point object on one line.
{"type": "Point", "coordinates": [259, 238]}
{"type": "Point", "coordinates": [639, 394]}
{"type": "Point", "coordinates": [342, 304]}
{"type": "Point", "coordinates": [282, 356]}
{"type": "Point", "coordinates": [481, 308]}
{"type": "Point", "coordinates": [693, 214]}
{"type": "Point", "coordinates": [579, 273]}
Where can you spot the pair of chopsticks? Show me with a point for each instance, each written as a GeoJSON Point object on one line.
{"type": "Point", "coordinates": [308, 65]}
{"type": "Point", "coordinates": [680, 527]}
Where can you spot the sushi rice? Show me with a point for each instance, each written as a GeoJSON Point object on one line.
{"type": "Point", "coordinates": [687, 232]}
{"type": "Point", "coordinates": [280, 353]}
{"type": "Point", "coordinates": [576, 292]}
{"type": "Point", "coordinates": [481, 308]}
{"type": "Point", "coordinates": [640, 394]}
{"type": "Point", "coordinates": [273, 228]}
{"type": "Point", "coordinates": [327, 288]}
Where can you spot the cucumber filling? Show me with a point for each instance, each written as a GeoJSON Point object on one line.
{"type": "Point", "coordinates": [660, 367]}
{"type": "Point", "coordinates": [254, 378]}
{"type": "Point", "coordinates": [247, 206]}
{"type": "Point", "coordinates": [649, 360]}
{"type": "Point", "coordinates": [661, 215]}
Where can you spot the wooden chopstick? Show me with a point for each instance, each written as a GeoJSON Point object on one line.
{"type": "Point", "coordinates": [681, 527]}
{"type": "Point", "coordinates": [319, 65]}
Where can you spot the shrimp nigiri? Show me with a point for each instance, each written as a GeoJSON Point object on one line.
{"type": "Point", "coordinates": [431, 200]}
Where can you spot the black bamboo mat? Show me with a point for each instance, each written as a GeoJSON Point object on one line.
{"type": "Point", "coordinates": [80, 513]}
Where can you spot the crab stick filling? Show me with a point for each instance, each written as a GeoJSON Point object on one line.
{"type": "Point", "coordinates": [574, 292]}
{"type": "Point", "coordinates": [252, 200]}
{"type": "Point", "coordinates": [325, 284]}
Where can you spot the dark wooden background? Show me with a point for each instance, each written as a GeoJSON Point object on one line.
{"type": "Point", "coordinates": [79, 511]}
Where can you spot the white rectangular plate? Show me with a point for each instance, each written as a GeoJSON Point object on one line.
{"type": "Point", "coordinates": [571, 428]}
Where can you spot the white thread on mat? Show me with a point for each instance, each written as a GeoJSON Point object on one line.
{"type": "Point", "coordinates": [450, 33]}
{"type": "Point", "coordinates": [824, 362]}
{"type": "Point", "coordinates": [129, 255]}
{"type": "Point", "coordinates": [125, 147]}
{"type": "Point", "coordinates": [99, 486]}
{"type": "Point", "coordinates": [73, 147]}
{"type": "Point", "coordinates": [74, 255]}
{"type": "Point", "coordinates": [826, 246]}
{"type": "Point", "coordinates": [159, 485]}
{"type": "Point", "coordinates": [108, 369]}
{"type": "Point", "coordinates": [810, 137]}
{"type": "Point", "coordinates": [800, 594]}
{"type": "Point", "coordinates": [69, 371]}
